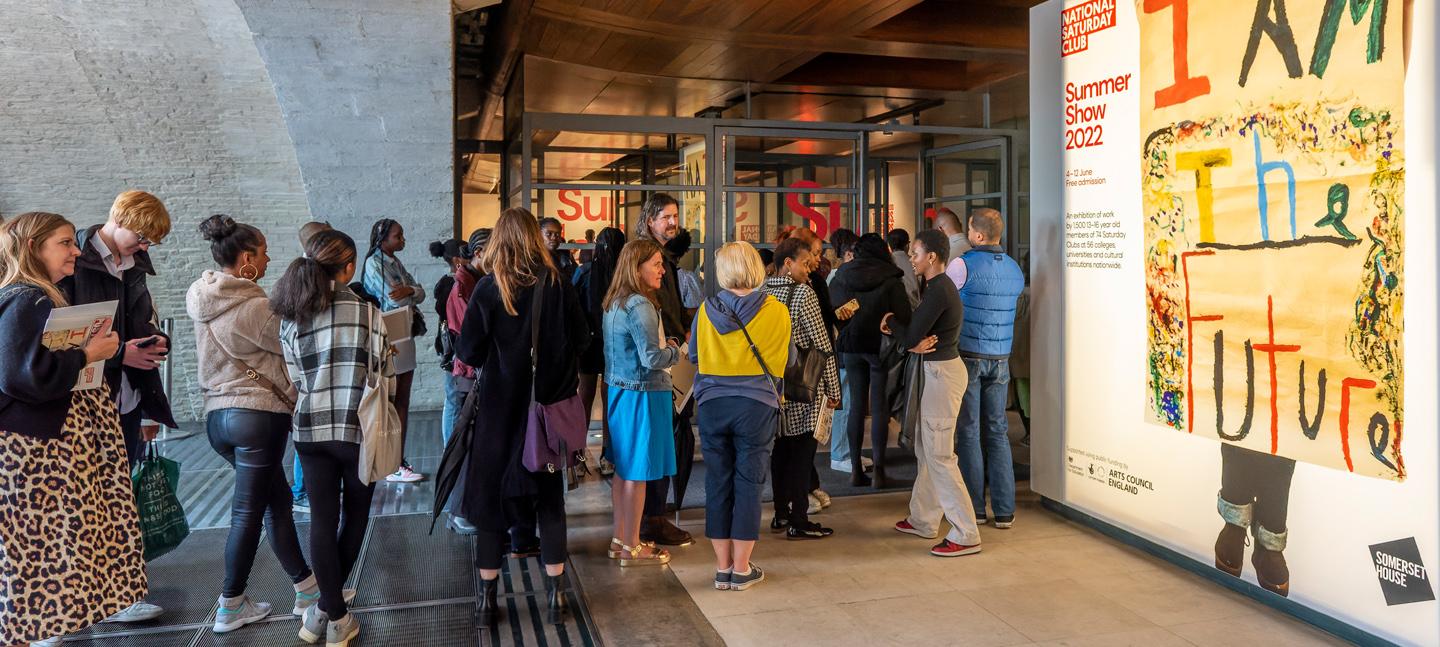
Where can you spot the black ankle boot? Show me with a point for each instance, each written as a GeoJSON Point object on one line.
{"type": "Point", "coordinates": [555, 598]}
{"type": "Point", "coordinates": [485, 616]}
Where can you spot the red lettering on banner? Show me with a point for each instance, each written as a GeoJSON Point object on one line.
{"type": "Point", "coordinates": [1185, 87]}
{"type": "Point", "coordinates": [1345, 386]}
{"type": "Point", "coordinates": [1080, 21]}
{"type": "Point", "coordinates": [577, 211]}
{"type": "Point", "coordinates": [817, 220]}
{"type": "Point", "coordinates": [1270, 349]}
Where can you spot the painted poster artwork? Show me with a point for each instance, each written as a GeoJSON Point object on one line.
{"type": "Point", "coordinates": [1273, 174]}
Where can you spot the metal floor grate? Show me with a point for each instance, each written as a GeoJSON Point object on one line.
{"type": "Point", "coordinates": [414, 588]}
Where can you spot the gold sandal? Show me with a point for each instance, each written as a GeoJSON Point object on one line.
{"type": "Point", "coordinates": [631, 556]}
{"type": "Point", "coordinates": [617, 554]}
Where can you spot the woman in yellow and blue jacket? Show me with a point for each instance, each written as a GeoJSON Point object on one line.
{"type": "Point", "coordinates": [740, 344]}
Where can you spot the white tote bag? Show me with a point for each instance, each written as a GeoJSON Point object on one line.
{"type": "Point", "coordinates": [381, 443]}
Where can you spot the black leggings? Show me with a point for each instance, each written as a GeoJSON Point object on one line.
{"type": "Point", "coordinates": [253, 442]}
{"type": "Point", "coordinates": [332, 470]}
{"type": "Point", "coordinates": [547, 509]}
{"type": "Point", "coordinates": [790, 465]}
{"type": "Point", "coordinates": [867, 384]}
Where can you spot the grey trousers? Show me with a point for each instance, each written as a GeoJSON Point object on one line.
{"type": "Point", "coordinates": [939, 489]}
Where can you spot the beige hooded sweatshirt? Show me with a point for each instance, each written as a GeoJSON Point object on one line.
{"type": "Point", "coordinates": [233, 320]}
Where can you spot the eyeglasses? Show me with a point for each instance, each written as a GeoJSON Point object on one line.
{"type": "Point", "coordinates": [146, 241]}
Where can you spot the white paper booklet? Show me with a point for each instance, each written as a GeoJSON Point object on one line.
{"type": "Point", "coordinates": [72, 327]}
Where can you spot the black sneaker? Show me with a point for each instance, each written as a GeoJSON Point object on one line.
{"type": "Point", "coordinates": [740, 582]}
{"type": "Point", "coordinates": [1003, 521]}
{"type": "Point", "coordinates": [779, 525]}
{"type": "Point", "coordinates": [980, 519]}
{"type": "Point", "coordinates": [722, 581]}
{"type": "Point", "coordinates": [810, 530]}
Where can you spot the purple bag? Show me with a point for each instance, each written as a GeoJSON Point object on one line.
{"type": "Point", "coordinates": [554, 433]}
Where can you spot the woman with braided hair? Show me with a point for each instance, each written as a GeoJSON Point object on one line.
{"type": "Point", "coordinates": [386, 279]}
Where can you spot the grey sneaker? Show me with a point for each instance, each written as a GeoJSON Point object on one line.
{"type": "Point", "coordinates": [228, 619]}
{"type": "Point", "coordinates": [304, 600]}
{"type": "Point", "coordinates": [138, 612]}
{"type": "Point", "coordinates": [342, 631]}
{"type": "Point", "coordinates": [313, 625]}
{"type": "Point", "coordinates": [48, 642]}
{"type": "Point", "coordinates": [740, 582]}
{"type": "Point", "coordinates": [722, 581]}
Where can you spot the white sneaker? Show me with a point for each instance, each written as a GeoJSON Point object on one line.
{"type": "Point", "coordinates": [844, 466]}
{"type": "Point", "coordinates": [138, 612]}
{"type": "Point", "coordinates": [814, 506]}
{"type": "Point", "coordinates": [313, 625]}
{"type": "Point", "coordinates": [304, 601]}
{"type": "Point", "coordinates": [340, 632]}
{"type": "Point", "coordinates": [405, 475]}
{"type": "Point", "coordinates": [227, 619]}
{"type": "Point", "coordinates": [48, 642]}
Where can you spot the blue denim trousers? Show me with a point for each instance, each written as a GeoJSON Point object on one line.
{"type": "Point", "coordinates": [735, 437]}
{"type": "Point", "coordinates": [839, 439]}
{"type": "Point", "coordinates": [982, 437]}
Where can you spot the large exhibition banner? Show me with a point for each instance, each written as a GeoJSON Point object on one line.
{"type": "Point", "coordinates": [1249, 288]}
{"type": "Point", "coordinates": [1274, 203]}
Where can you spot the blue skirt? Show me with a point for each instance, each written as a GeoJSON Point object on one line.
{"type": "Point", "coordinates": [642, 436]}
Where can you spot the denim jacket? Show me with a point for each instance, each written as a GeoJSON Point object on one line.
{"type": "Point", "coordinates": [634, 357]}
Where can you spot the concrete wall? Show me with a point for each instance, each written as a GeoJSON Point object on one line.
{"type": "Point", "coordinates": [174, 97]}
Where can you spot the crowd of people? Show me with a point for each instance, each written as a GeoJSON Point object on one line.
{"type": "Point", "coordinates": [789, 355]}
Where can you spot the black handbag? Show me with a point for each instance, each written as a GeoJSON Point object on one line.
{"type": "Point", "coordinates": [803, 379]}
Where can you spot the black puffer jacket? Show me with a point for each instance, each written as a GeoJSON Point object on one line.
{"type": "Point", "coordinates": [879, 287]}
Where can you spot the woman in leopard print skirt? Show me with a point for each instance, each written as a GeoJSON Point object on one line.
{"type": "Point", "coordinates": [70, 545]}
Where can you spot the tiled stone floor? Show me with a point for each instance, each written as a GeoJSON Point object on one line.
{"type": "Point", "coordinates": [1047, 581]}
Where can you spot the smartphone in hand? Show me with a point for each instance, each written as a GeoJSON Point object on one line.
{"type": "Point", "coordinates": [848, 309]}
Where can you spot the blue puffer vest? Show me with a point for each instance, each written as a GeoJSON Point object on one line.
{"type": "Point", "coordinates": [992, 285]}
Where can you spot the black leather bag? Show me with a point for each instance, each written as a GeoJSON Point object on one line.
{"type": "Point", "coordinates": [804, 378]}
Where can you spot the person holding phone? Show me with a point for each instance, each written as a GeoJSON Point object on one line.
{"type": "Point", "coordinates": [113, 265]}
{"type": "Point", "coordinates": [876, 285]}
{"type": "Point", "coordinates": [71, 553]}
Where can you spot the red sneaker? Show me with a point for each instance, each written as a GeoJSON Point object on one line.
{"type": "Point", "coordinates": [904, 526]}
{"type": "Point", "coordinates": [947, 548]}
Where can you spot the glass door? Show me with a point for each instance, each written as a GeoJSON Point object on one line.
{"type": "Point", "coordinates": [968, 176]}
{"type": "Point", "coordinates": [774, 179]}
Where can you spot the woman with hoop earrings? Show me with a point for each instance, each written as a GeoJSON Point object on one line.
{"type": "Point", "coordinates": [248, 404]}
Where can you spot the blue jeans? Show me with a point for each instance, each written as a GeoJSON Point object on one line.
{"type": "Point", "coordinates": [297, 491]}
{"type": "Point", "coordinates": [735, 437]}
{"type": "Point", "coordinates": [982, 424]}
{"type": "Point", "coordinates": [839, 438]}
{"type": "Point", "coordinates": [456, 388]}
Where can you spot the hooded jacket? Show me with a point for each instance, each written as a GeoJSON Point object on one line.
{"type": "Point", "coordinates": [234, 324]}
{"type": "Point", "coordinates": [879, 287]}
{"type": "Point", "coordinates": [725, 364]}
{"type": "Point", "coordinates": [134, 319]}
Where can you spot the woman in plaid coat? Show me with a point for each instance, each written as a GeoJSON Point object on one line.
{"type": "Point", "coordinates": [794, 456]}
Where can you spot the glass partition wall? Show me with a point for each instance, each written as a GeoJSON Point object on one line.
{"type": "Point", "coordinates": [748, 179]}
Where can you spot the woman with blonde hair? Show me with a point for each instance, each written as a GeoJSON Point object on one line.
{"type": "Point", "coordinates": [638, 355]}
{"type": "Point", "coordinates": [71, 553]}
{"type": "Point", "coordinates": [740, 344]}
{"type": "Point", "coordinates": [496, 338]}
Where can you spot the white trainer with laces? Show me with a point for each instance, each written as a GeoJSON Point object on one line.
{"type": "Point", "coordinates": [48, 642]}
{"type": "Point", "coordinates": [138, 612]}
{"type": "Point", "coordinates": [304, 601]}
{"type": "Point", "coordinates": [228, 619]}
{"type": "Point", "coordinates": [405, 475]}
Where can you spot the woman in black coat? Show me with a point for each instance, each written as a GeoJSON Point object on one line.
{"type": "Point", "coordinates": [873, 280]}
{"type": "Point", "coordinates": [495, 338]}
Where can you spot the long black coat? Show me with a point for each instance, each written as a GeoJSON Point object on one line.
{"type": "Point", "coordinates": [498, 344]}
{"type": "Point", "coordinates": [134, 319]}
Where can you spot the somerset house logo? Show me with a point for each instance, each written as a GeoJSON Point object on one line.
{"type": "Point", "coordinates": [1403, 576]}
